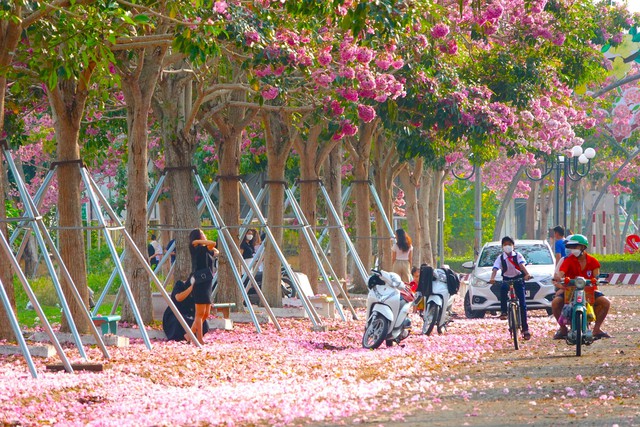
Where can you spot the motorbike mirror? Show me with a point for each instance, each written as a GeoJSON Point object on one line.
{"type": "Point", "coordinates": [468, 265]}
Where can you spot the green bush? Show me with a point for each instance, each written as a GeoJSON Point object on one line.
{"type": "Point", "coordinates": [619, 263]}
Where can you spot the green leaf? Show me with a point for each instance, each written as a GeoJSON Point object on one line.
{"type": "Point", "coordinates": [141, 19]}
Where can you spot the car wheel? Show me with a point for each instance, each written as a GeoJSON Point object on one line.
{"type": "Point", "coordinates": [471, 314]}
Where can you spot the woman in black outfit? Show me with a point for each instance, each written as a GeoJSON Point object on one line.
{"type": "Point", "coordinates": [202, 253]}
{"type": "Point", "coordinates": [250, 243]}
{"type": "Point", "coordinates": [183, 299]}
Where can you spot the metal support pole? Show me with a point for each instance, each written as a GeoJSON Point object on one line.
{"type": "Point", "coordinates": [477, 222]}
{"type": "Point", "coordinates": [556, 207]}
{"type": "Point", "coordinates": [360, 266]}
{"type": "Point", "coordinates": [32, 212]}
{"type": "Point", "coordinates": [228, 243]}
{"type": "Point", "coordinates": [311, 311]}
{"type": "Point", "coordinates": [564, 194]}
{"type": "Point", "coordinates": [318, 253]}
{"type": "Point", "coordinates": [97, 195]}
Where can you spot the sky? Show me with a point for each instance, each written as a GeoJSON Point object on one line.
{"type": "Point", "coordinates": [633, 5]}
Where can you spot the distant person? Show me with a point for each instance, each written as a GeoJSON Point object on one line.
{"type": "Point", "coordinates": [559, 243]}
{"type": "Point", "coordinates": [401, 255]}
{"type": "Point", "coordinates": [172, 246]}
{"type": "Point", "coordinates": [155, 252]}
{"type": "Point", "coordinates": [250, 243]}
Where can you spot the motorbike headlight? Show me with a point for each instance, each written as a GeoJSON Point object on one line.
{"type": "Point", "coordinates": [580, 283]}
{"type": "Point", "coordinates": [479, 283]}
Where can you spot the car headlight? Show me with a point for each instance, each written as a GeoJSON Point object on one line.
{"type": "Point", "coordinates": [479, 283]}
{"type": "Point", "coordinates": [547, 281]}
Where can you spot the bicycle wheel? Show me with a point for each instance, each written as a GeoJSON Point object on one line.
{"type": "Point", "coordinates": [578, 325]}
{"type": "Point", "coordinates": [514, 324]}
{"type": "Point", "coordinates": [431, 317]}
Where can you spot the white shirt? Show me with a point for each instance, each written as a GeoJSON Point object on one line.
{"type": "Point", "coordinates": [157, 248]}
{"type": "Point", "coordinates": [512, 271]}
{"type": "Point", "coordinates": [400, 255]}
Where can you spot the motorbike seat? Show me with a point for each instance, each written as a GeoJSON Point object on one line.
{"type": "Point", "coordinates": [407, 296]}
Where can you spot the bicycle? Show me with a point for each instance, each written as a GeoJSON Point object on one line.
{"type": "Point", "coordinates": [513, 312]}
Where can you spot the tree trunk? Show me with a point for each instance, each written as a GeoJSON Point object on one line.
{"type": "Point", "coordinates": [139, 87]}
{"type": "Point", "coordinates": [169, 107]}
{"type": "Point", "coordinates": [309, 176]}
{"type": "Point", "coordinates": [360, 151]}
{"type": "Point", "coordinates": [9, 37]}
{"type": "Point", "coordinates": [230, 127]}
{"type": "Point", "coordinates": [531, 215]}
{"type": "Point", "coordinates": [545, 211]}
{"type": "Point", "coordinates": [30, 258]}
{"type": "Point", "coordinates": [384, 168]}
{"type": "Point", "coordinates": [333, 182]}
{"type": "Point", "coordinates": [278, 142]}
{"type": "Point", "coordinates": [506, 199]}
{"type": "Point", "coordinates": [67, 104]}
{"type": "Point", "coordinates": [409, 181]}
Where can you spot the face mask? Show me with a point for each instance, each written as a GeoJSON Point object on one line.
{"type": "Point", "coordinates": [507, 249]}
{"type": "Point", "coordinates": [576, 252]}
{"type": "Point", "coordinates": [249, 236]}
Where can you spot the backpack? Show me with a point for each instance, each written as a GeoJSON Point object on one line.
{"type": "Point", "coordinates": [453, 281]}
{"type": "Point", "coordinates": [151, 250]}
{"type": "Point", "coordinates": [425, 281]}
{"type": "Point", "coordinates": [504, 262]}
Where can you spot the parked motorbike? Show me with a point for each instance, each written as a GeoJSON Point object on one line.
{"type": "Point", "coordinates": [434, 287]}
{"type": "Point", "coordinates": [388, 305]}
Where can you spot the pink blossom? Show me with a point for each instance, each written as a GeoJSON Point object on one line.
{"type": "Point", "coordinates": [366, 113]}
{"type": "Point", "coordinates": [220, 7]}
{"type": "Point", "coordinates": [270, 92]}
{"type": "Point", "coordinates": [439, 31]}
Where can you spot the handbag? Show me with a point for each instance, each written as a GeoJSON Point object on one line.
{"type": "Point", "coordinates": [203, 276]}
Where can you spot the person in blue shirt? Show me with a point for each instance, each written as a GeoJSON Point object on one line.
{"type": "Point", "coordinates": [559, 249]}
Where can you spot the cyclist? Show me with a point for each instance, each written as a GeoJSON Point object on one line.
{"type": "Point", "coordinates": [513, 267]}
{"type": "Point", "coordinates": [578, 263]}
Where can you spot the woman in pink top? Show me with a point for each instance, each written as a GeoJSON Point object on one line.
{"type": "Point", "coordinates": [401, 255]}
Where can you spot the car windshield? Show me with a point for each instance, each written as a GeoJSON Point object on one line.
{"type": "Point", "coordinates": [535, 254]}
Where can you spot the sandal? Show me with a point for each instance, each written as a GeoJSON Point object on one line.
{"type": "Point", "coordinates": [526, 335]}
{"type": "Point", "coordinates": [503, 316]}
{"type": "Point", "coordinates": [559, 335]}
{"type": "Point", "coordinates": [601, 334]}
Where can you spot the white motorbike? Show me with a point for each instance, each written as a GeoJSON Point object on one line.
{"type": "Point", "coordinates": [388, 305]}
{"type": "Point", "coordinates": [433, 287]}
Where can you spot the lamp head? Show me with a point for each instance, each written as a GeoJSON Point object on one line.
{"type": "Point", "coordinates": [590, 153]}
{"type": "Point", "coordinates": [576, 151]}
{"type": "Point", "coordinates": [583, 159]}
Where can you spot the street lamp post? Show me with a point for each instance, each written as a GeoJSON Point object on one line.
{"type": "Point", "coordinates": [575, 167]}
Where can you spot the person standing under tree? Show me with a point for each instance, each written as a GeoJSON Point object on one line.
{"type": "Point", "coordinates": [401, 255]}
{"type": "Point", "coordinates": [155, 252]}
{"type": "Point", "coordinates": [250, 243]}
{"type": "Point", "coordinates": [559, 248]}
{"type": "Point", "coordinates": [202, 253]}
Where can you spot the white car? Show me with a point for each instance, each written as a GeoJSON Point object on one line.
{"type": "Point", "coordinates": [481, 296]}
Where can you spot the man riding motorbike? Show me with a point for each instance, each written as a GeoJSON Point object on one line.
{"type": "Point", "coordinates": [578, 263]}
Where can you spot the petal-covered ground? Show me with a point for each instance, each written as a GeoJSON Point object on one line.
{"type": "Point", "coordinates": [297, 376]}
